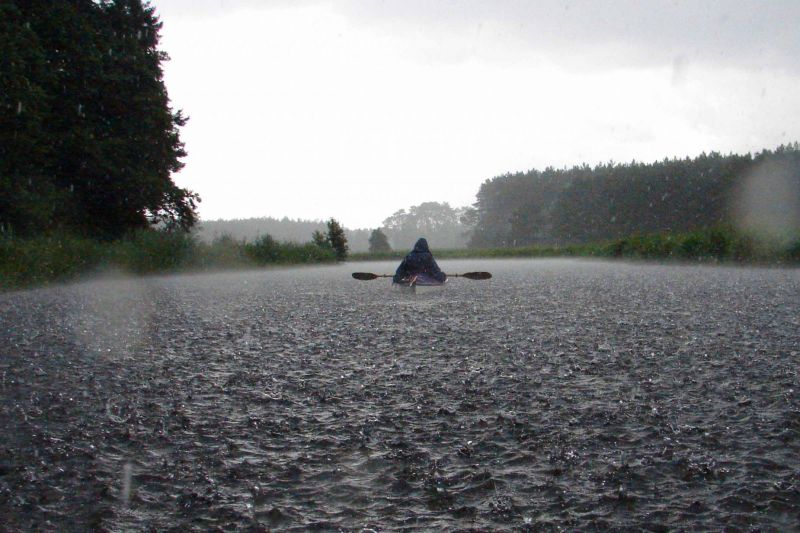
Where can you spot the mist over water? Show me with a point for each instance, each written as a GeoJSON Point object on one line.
{"type": "Point", "coordinates": [560, 394]}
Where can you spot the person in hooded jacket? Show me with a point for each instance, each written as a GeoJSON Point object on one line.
{"type": "Point", "coordinates": [419, 261]}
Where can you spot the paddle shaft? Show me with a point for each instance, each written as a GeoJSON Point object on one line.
{"type": "Point", "coordinates": [365, 276]}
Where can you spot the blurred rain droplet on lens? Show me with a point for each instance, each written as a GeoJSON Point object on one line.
{"type": "Point", "coordinates": [127, 472]}
{"type": "Point", "coordinates": [767, 202]}
{"type": "Point", "coordinates": [680, 66]}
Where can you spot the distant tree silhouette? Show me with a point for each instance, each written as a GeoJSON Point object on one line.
{"type": "Point", "coordinates": [337, 239]}
{"type": "Point", "coordinates": [320, 239]}
{"type": "Point", "coordinates": [439, 222]}
{"type": "Point", "coordinates": [282, 229]}
{"type": "Point", "coordinates": [378, 242]}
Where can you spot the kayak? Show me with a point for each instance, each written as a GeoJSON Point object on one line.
{"type": "Point", "coordinates": [420, 280]}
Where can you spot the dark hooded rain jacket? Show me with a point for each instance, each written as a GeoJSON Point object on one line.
{"type": "Point", "coordinates": [419, 261]}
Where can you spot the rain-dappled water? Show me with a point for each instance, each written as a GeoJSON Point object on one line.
{"type": "Point", "coordinates": [558, 395]}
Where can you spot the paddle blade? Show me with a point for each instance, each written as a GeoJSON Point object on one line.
{"type": "Point", "coordinates": [364, 276]}
{"type": "Point", "coordinates": [477, 275]}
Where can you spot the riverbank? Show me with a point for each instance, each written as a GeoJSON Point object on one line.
{"type": "Point", "coordinates": [58, 258]}
{"type": "Point", "coordinates": [715, 245]}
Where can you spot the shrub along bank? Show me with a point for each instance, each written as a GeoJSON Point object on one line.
{"type": "Point", "coordinates": [39, 260]}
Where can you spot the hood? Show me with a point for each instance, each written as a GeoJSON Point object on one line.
{"type": "Point", "coordinates": [422, 246]}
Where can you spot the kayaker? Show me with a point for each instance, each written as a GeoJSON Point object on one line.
{"type": "Point", "coordinates": [419, 261]}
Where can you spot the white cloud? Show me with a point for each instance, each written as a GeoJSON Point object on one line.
{"type": "Point", "coordinates": [345, 110]}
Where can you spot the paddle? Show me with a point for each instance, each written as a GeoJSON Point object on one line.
{"type": "Point", "coordinates": [472, 275]}
{"type": "Point", "coordinates": [366, 276]}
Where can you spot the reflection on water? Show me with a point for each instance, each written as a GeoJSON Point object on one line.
{"type": "Point", "coordinates": [558, 394]}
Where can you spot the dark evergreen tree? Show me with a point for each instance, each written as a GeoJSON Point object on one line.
{"type": "Point", "coordinates": [337, 239]}
{"type": "Point", "coordinates": [28, 197]}
{"type": "Point", "coordinates": [378, 242]}
{"type": "Point", "coordinates": [83, 92]}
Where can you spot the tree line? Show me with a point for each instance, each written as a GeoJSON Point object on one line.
{"type": "Point", "coordinates": [437, 221]}
{"type": "Point", "coordinates": [281, 229]}
{"type": "Point", "coordinates": [583, 204]}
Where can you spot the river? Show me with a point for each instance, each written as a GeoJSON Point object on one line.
{"type": "Point", "coordinates": [561, 394]}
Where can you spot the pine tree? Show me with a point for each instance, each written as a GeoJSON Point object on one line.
{"type": "Point", "coordinates": [337, 239]}
{"type": "Point", "coordinates": [378, 242]}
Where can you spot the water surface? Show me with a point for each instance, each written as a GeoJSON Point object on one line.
{"type": "Point", "coordinates": [560, 394]}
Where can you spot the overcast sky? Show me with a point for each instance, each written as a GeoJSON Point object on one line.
{"type": "Point", "coordinates": [355, 109]}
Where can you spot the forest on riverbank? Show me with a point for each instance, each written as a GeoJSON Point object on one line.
{"type": "Point", "coordinates": [756, 194]}
{"type": "Point", "coordinates": [724, 209]}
